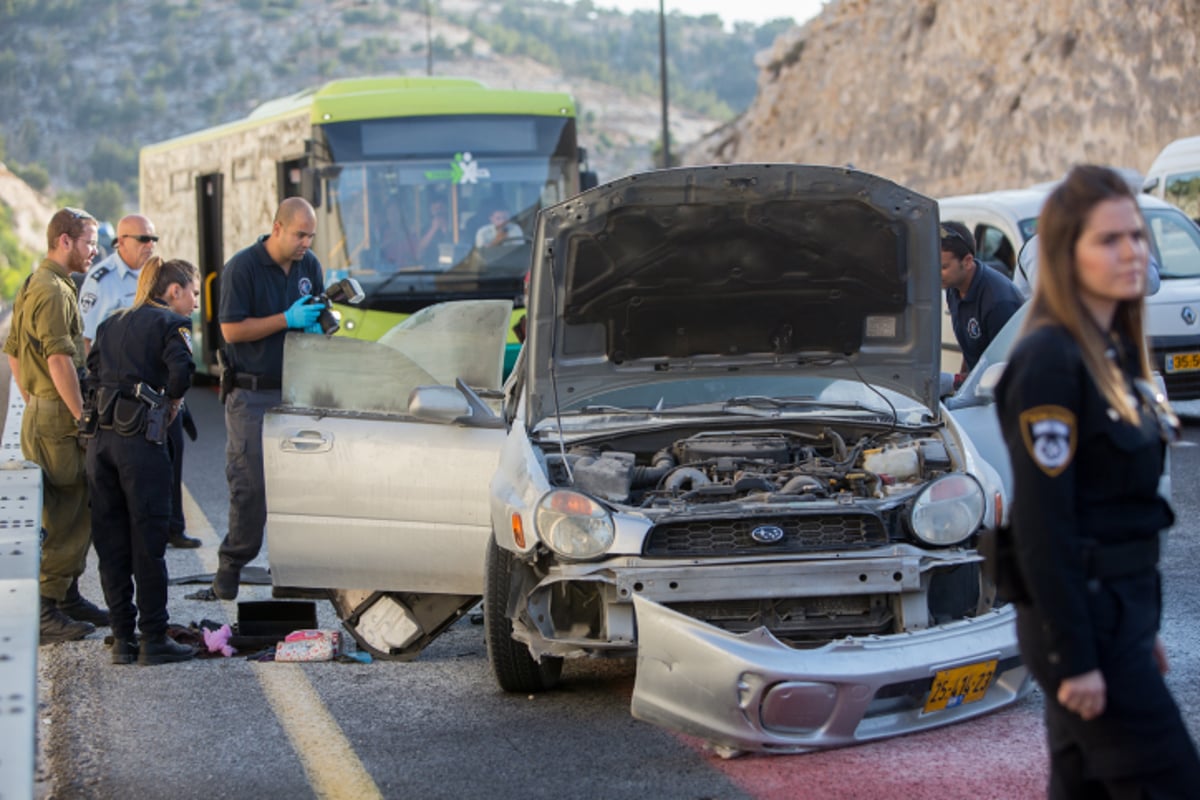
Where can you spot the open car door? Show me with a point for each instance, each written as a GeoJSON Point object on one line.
{"type": "Point", "coordinates": [376, 502]}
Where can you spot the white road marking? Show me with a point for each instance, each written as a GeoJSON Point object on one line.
{"type": "Point", "coordinates": [330, 763]}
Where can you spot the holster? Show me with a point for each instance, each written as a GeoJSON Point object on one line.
{"type": "Point", "coordinates": [228, 375]}
{"type": "Point", "coordinates": [156, 424]}
{"type": "Point", "coordinates": [1001, 567]}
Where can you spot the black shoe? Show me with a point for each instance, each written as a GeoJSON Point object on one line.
{"type": "Point", "coordinates": [163, 650]}
{"type": "Point", "coordinates": [78, 607]}
{"type": "Point", "coordinates": [182, 541]}
{"type": "Point", "coordinates": [225, 583]}
{"type": "Point", "coordinates": [55, 626]}
{"type": "Point", "coordinates": [124, 651]}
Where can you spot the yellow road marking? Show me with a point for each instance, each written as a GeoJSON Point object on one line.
{"type": "Point", "coordinates": [333, 768]}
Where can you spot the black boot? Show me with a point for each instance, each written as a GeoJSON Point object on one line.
{"type": "Point", "coordinates": [225, 583]}
{"type": "Point", "coordinates": [163, 650]}
{"type": "Point", "coordinates": [124, 651]}
{"type": "Point", "coordinates": [76, 606]}
{"type": "Point", "coordinates": [182, 541]}
{"type": "Point", "coordinates": [55, 626]}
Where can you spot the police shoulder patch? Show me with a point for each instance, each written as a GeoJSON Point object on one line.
{"type": "Point", "coordinates": [186, 333]}
{"type": "Point", "coordinates": [1050, 434]}
{"type": "Point", "coordinates": [87, 301]}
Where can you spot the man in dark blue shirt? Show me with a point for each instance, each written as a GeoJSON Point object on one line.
{"type": "Point", "coordinates": [980, 299]}
{"type": "Point", "coordinates": [266, 291]}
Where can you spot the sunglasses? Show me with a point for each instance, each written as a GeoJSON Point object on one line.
{"type": "Point", "coordinates": [1169, 427]}
{"type": "Point", "coordinates": [143, 239]}
{"type": "Point", "coordinates": [950, 233]}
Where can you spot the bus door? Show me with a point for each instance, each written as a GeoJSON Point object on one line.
{"type": "Point", "coordinates": [210, 235]}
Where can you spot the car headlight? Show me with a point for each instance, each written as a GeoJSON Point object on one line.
{"type": "Point", "coordinates": [574, 525]}
{"type": "Point", "coordinates": [948, 510]}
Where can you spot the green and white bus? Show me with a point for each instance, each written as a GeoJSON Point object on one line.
{"type": "Point", "coordinates": [403, 173]}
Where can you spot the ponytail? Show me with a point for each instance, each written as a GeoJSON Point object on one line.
{"type": "Point", "coordinates": [157, 276]}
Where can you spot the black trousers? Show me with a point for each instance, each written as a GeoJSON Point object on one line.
{"type": "Point", "coordinates": [175, 448]}
{"type": "Point", "coordinates": [130, 483]}
{"type": "Point", "coordinates": [1139, 747]}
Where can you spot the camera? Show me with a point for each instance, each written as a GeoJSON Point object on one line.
{"type": "Point", "coordinates": [347, 290]}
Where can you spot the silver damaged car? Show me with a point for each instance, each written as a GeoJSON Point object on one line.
{"type": "Point", "coordinates": [721, 452]}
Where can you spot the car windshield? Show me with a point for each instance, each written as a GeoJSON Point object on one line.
{"type": "Point", "coordinates": [1176, 242]}
{"type": "Point", "coordinates": [754, 396]}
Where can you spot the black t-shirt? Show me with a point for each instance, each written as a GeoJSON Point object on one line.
{"type": "Point", "coordinates": [252, 286]}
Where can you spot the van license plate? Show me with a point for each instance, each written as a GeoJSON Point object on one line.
{"type": "Point", "coordinates": [959, 686]}
{"type": "Point", "coordinates": [1183, 362]}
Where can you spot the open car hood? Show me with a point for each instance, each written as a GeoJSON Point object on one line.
{"type": "Point", "coordinates": [734, 270]}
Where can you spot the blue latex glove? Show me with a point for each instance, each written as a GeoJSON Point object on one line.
{"type": "Point", "coordinates": [302, 313]}
{"type": "Point", "coordinates": [314, 328]}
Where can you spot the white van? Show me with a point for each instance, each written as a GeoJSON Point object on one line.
{"type": "Point", "coordinates": [1003, 221]}
{"type": "Point", "coordinates": [1175, 175]}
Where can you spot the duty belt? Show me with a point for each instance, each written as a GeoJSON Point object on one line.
{"type": "Point", "coordinates": [1115, 560]}
{"type": "Point", "coordinates": [256, 383]}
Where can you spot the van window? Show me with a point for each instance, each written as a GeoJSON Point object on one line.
{"type": "Point", "coordinates": [995, 249]}
{"type": "Point", "coordinates": [1183, 189]}
{"type": "Point", "coordinates": [1177, 240]}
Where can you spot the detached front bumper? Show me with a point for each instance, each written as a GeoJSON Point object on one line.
{"type": "Point", "coordinates": [751, 692]}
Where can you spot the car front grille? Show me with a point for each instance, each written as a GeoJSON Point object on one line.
{"type": "Point", "coordinates": [1182, 385]}
{"type": "Point", "coordinates": [733, 537]}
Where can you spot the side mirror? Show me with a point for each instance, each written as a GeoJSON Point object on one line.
{"type": "Point", "coordinates": [443, 404]}
{"type": "Point", "coordinates": [986, 388]}
{"type": "Point", "coordinates": [310, 186]}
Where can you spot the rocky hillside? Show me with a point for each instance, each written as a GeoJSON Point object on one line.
{"type": "Point", "coordinates": [953, 96]}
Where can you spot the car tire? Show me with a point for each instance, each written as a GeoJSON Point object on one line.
{"type": "Point", "coordinates": [516, 670]}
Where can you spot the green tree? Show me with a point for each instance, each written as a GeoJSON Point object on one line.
{"type": "Point", "coordinates": [33, 174]}
{"type": "Point", "coordinates": [105, 200]}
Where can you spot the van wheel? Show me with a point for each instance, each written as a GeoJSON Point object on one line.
{"type": "Point", "coordinates": [515, 669]}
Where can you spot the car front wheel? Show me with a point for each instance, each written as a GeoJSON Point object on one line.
{"type": "Point", "coordinates": [515, 669]}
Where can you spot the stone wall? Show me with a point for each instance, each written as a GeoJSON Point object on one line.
{"type": "Point", "coordinates": [970, 95]}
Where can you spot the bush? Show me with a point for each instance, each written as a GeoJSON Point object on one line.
{"type": "Point", "coordinates": [104, 200]}
{"type": "Point", "coordinates": [33, 174]}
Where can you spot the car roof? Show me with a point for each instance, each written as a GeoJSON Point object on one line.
{"type": "Point", "coordinates": [1025, 203]}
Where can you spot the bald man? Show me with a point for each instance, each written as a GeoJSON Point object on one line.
{"type": "Point", "coordinates": [111, 283]}
{"type": "Point", "coordinates": [265, 290]}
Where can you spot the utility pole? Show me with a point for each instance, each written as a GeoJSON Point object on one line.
{"type": "Point", "coordinates": [662, 60]}
{"type": "Point", "coordinates": [429, 37]}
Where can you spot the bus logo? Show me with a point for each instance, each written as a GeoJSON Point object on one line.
{"type": "Point", "coordinates": [463, 169]}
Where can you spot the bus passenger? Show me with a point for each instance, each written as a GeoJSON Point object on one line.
{"type": "Point", "coordinates": [143, 352]}
{"type": "Point", "coordinates": [500, 230]}
{"type": "Point", "coordinates": [266, 290]}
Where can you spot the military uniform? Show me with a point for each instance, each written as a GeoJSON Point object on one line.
{"type": "Point", "coordinates": [46, 322]}
{"type": "Point", "coordinates": [1086, 522]}
{"type": "Point", "coordinates": [129, 475]}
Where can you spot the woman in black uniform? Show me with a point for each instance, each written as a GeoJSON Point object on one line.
{"type": "Point", "coordinates": [1086, 431]}
{"type": "Point", "coordinates": [139, 354]}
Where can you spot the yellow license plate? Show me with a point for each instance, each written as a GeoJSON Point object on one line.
{"type": "Point", "coordinates": [959, 686]}
{"type": "Point", "coordinates": [1183, 362]}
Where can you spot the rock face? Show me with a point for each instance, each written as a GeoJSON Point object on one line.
{"type": "Point", "coordinates": [31, 213]}
{"type": "Point", "coordinates": [971, 95]}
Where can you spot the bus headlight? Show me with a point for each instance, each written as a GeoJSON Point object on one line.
{"type": "Point", "coordinates": [948, 510]}
{"type": "Point", "coordinates": [574, 525]}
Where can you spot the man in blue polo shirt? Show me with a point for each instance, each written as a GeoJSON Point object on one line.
{"type": "Point", "coordinates": [980, 299]}
{"type": "Point", "coordinates": [265, 292]}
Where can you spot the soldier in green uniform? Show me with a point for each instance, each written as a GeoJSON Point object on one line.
{"type": "Point", "coordinates": [45, 351]}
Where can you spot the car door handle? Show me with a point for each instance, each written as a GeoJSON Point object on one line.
{"type": "Point", "coordinates": [307, 441]}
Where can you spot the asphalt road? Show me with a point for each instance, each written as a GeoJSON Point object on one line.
{"type": "Point", "coordinates": [438, 727]}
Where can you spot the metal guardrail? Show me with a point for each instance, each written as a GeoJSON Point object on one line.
{"type": "Point", "coordinates": [20, 527]}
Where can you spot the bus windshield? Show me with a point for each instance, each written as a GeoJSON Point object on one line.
{"type": "Point", "coordinates": [416, 226]}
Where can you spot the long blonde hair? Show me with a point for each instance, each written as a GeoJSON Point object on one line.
{"type": "Point", "coordinates": [1057, 295]}
{"type": "Point", "coordinates": [156, 276]}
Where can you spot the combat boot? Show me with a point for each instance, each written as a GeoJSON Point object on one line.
{"type": "Point", "coordinates": [225, 583]}
{"type": "Point", "coordinates": [163, 650]}
{"type": "Point", "coordinates": [78, 607]}
{"type": "Point", "coordinates": [124, 651]}
{"type": "Point", "coordinates": [55, 626]}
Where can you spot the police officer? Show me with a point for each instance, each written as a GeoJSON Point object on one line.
{"type": "Point", "coordinates": [45, 352]}
{"type": "Point", "coordinates": [266, 290]}
{"type": "Point", "coordinates": [1086, 432]}
{"type": "Point", "coordinates": [140, 367]}
{"type": "Point", "coordinates": [980, 299]}
{"type": "Point", "coordinates": [111, 285]}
